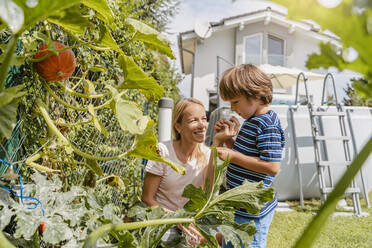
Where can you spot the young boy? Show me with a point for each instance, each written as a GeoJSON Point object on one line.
{"type": "Point", "coordinates": [256, 153]}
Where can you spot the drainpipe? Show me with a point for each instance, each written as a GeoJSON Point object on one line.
{"type": "Point", "coordinates": [165, 119]}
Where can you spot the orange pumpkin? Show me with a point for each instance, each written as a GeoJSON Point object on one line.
{"type": "Point", "coordinates": [55, 67]}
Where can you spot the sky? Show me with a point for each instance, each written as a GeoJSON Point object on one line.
{"type": "Point", "coordinates": [215, 10]}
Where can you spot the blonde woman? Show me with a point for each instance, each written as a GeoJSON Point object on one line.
{"type": "Point", "coordinates": [162, 185]}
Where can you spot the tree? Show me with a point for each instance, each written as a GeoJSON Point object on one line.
{"type": "Point", "coordinates": [354, 99]}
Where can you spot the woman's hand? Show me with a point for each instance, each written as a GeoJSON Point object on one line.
{"type": "Point", "coordinates": [224, 152]}
{"type": "Point", "coordinates": [192, 234]}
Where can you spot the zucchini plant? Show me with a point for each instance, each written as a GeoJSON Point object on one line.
{"type": "Point", "coordinates": [209, 211]}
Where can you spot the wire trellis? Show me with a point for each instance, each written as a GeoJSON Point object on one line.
{"type": "Point", "coordinates": [31, 134]}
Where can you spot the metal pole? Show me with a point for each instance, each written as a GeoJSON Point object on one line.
{"type": "Point", "coordinates": [353, 141]}
{"type": "Point", "coordinates": [192, 70]}
{"type": "Point", "coordinates": [297, 159]}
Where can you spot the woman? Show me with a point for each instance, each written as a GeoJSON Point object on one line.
{"type": "Point", "coordinates": [162, 185]}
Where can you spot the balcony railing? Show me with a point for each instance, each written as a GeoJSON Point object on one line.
{"type": "Point", "coordinates": [272, 59]}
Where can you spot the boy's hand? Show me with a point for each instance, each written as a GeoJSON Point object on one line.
{"type": "Point", "coordinates": [230, 127]}
{"type": "Point", "coordinates": [224, 152]}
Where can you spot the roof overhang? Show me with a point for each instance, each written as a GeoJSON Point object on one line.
{"type": "Point", "coordinates": [188, 39]}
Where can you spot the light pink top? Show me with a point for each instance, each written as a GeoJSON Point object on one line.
{"type": "Point", "coordinates": [172, 184]}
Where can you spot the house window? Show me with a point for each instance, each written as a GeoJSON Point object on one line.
{"type": "Point", "coordinates": [253, 49]}
{"type": "Point", "coordinates": [275, 51]}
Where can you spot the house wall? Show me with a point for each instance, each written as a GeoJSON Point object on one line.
{"type": "Point", "coordinates": [229, 44]}
{"type": "Point", "coordinates": [221, 44]}
{"type": "Point", "coordinates": [265, 30]}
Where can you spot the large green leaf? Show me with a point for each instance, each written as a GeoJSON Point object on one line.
{"type": "Point", "coordinates": [211, 225]}
{"type": "Point", "coordinates": [151, 37]}
{"type": "Point", "coordinates": [71, 19]}
{"type": "Point", "coordinates": [9, 100]}
{"type": "Point", "coordinates": [145, 146]}
{"type": "Point", "coordinates": [106, 39]}
{"type": "Point", "coordinates": [197, 198]}
{"type": "Point", "coordinates": [103, 10]}
{"type": "Point", "coordinates": [27, 224]}
{"type": "Point", "coordinates": [41, 11]}
{"type": "Point", "coordinates": [56, 231]}
{"type": "Point", "coordinates": [130, 117]}
{"type": "Point", "coordinates": [250, 196]}
{"type": "Point", "coordinates": [9, 94]}
{"type": "Point", "coordinates": [135, 78]}
{"type": "Point", "coordinates": [329, 57]}
{"type": "Point", "coordinates": [7, 60]}
{"type": "Point", "coordinates": [4, 242]}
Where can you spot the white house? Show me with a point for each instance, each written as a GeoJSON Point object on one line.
{"type": "Point", "coordinates": [267, 37]}
{"type": "Point", "coordinates": [262, 37]}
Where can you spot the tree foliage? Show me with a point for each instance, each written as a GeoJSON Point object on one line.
{"type": "Point", "coordinates": [353, 98]}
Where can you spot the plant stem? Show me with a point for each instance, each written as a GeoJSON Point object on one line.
{"type": "Point", "coordinates": [58, 99]}
{"type": "Point", "coordinates": [102, 230]}
{"type": "Point", "coordinates": [68, 90]}
{"type": "Point", "coordinates": [313, 229]}
{"type": "Point", "coordinates": [65, 141]}
{"type": "Point", "coordinates": [9, 54]}
{"type": "Point", "coordinates": [30, 162]}
{"type": "Point", "coordinates": [73, 124]}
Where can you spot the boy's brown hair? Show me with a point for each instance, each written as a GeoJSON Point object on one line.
{"type": "Point", "coordinates": [246, 80]}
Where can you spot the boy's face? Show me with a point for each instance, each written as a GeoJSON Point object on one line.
{"type": "Point", "coordinates": [244, 107]}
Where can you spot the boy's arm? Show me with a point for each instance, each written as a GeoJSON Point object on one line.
{"type": "Point", "coordinates": [254, 163]}
{"type": "Point", "coordinates": [270, 147]}
{"type": "Point", "coordinates": [248, 162]}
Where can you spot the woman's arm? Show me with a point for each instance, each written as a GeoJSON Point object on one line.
{"type": "Point", "coordinates": [150, 187]}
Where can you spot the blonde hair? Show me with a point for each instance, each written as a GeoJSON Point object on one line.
{"type": "Point", "coordinates": [246, 80]}
{"type": "Point", "coordinates": [177, 116]}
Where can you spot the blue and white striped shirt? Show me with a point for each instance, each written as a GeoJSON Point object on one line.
{"type": "Point", "coordinates": [260, 136]}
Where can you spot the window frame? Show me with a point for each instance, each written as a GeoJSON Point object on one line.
{"type": "Point", "coordinates": [279, 37]}
{"type": "Point", "coordinates": [261, 46]}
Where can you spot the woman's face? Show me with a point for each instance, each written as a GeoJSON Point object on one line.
{"type": "Point", "coordinates": [193, 126]}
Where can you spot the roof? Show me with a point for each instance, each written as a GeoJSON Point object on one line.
{"type": "Point", "coordinates": [274, 16]}
{"type": "Point", "coordinates": [311, 24]}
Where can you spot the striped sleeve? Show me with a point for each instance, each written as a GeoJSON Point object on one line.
{"type": "Point", "coordinates": [269, 144]}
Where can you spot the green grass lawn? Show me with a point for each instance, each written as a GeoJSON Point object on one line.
{"type": "Point", "coordinates": [339, 231]}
